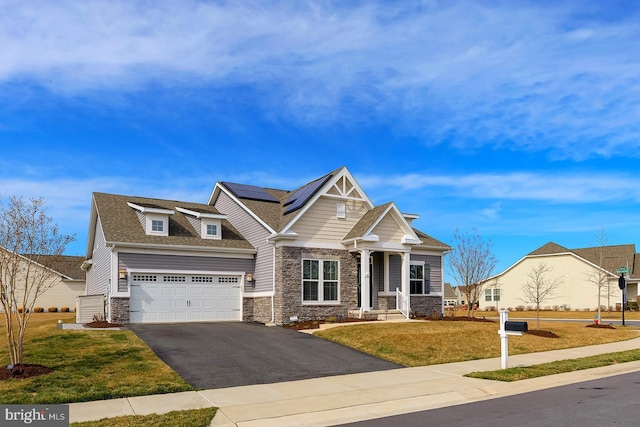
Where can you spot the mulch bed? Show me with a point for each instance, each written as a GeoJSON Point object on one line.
{"type": "Point", "coordinates": [23, 371]}
{"type": "Point", "coordinates": [600, 326]}
{"type": "Point", "coordinates": [543, 334]}
{"type": "Point", "coordinates": [103, 324]}
{"type": "Point", "coordinates": [315, 324]}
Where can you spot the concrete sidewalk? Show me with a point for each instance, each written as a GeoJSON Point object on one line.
{"type": "Point", "coordinates": [357, 397]}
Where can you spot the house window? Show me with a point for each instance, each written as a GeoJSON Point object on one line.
{"type": "Point", "coordinates": [492, 294]}
{"type": "Point", "coordinates": [320, 280]}
{"type": "Point", "coordinates": [157, 225]}
{"type": "Point", "coordinates": [419, 279]}
{"type": "Point", "coordinates": [212, 230]}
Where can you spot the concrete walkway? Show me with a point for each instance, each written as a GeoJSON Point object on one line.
{"type": "Point", "coordinates": [357, 397]}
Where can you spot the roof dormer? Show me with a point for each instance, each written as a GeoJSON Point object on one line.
{"type": "Point", "coordinates": [208, 224]}
{"type": "Point", "coordinates": [154, 219]}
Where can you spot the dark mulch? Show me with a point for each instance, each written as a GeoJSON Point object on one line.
{"type": "Point", "coordinates": [315, 324]}
{"type": "Point", "coordinates": [23, 371]}
{"type": "Point", "coordinates": [103, 324]}
{"type": "Point", "coordinates": [600, 326]}
{"type": "Point", "coordinates": [543, 334]}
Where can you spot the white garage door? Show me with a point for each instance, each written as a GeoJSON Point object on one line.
{"type": "Point", "coordinates": [184, 298]}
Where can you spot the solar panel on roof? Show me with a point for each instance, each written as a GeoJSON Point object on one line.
{"type": "Point", "coordinates": [302, 196]}
{"type": "Point", "coordinates": [250, 192]}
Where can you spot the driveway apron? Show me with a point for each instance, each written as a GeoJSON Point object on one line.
{"type": "Point", "coordinates": [219, 355]}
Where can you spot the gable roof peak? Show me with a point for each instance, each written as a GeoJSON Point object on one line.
{"type": "Point", "coordinates": [549, 248]}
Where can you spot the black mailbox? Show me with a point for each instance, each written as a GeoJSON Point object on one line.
{"type": "Point", "coordinates": [516, 326]}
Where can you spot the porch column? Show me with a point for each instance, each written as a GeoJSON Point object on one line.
{"type": "Point", "coordinates": [405, 272]}
{"type": "Point", "coordinates": [365, 279]}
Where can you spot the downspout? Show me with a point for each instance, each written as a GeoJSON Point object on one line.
{"type": "Point", "coordinates": [273, 281]}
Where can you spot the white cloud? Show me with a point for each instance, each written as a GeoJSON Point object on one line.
{"type": "Point", "coordinates": [528, 76]}
{"type": "Point", "coordinates": [551, 187]}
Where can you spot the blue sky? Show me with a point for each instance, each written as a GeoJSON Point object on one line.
{"type": "Point", "coordinates": [518, 118]}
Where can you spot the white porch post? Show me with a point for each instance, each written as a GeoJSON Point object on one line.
{"type": "Point", "coordinates": [365, 279]}
{"type": "Point", "coordinates": [405, 272]}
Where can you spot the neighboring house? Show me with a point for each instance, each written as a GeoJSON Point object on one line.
{"type": "Point", "coordinates": [67, 276]}
{"type": "Point", "coordinates": [463, 293]}
{"type": "Point", "coordinates": [450, 296]}
{"type": "Point", "coordinates": [320, 250]}
{"type": "Point", "coordinates": [574, 269]}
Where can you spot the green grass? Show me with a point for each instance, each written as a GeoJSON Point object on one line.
{"type": "Point", "coordinates": [88, 365]}
{"type": "Point", "coordinates": [429, 343]}
{"type": "Point", "coordinates": [531, 314]}
{"type": "Point", "coordinates": [569, 365]}
{"type": "Point", "coordinates": [192, 418]}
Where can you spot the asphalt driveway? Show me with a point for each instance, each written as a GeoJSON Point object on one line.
{"type": "Point", "coordinates": [218, 355]}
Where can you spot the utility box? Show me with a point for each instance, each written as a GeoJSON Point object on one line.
{"type": "Point", "coordinates": [516, 326]}
{"type": "Point", "coordinates": [88, 306]}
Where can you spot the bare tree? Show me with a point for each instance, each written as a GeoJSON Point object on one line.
{"type": "Point", "coordinates": [600, 277]}
{"type": "Point", "coordinates": [539, 288]}
{"type": "Point", "coordinates": [30, 247]}
{"type": "Point", "coordinates": [472, 263]}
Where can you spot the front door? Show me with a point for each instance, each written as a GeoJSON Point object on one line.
{"type": "Point", "coordinates": [370, 283]}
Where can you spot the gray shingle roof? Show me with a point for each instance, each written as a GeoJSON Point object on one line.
{"type": "Point", "coordinates": [66, 265]}
{"type": "Point", "coordinates": [120, 223]}
{"type": "Point", "coordinates": [367, 220]}
{"type": "Point", "coordinates": [273, 214]}
{"type": "Point", "coordinates": [430, 241]}
{"type": "Point", "coordinates": [449, 293]}
{"type": "Point", "coordinates": [613, 257]}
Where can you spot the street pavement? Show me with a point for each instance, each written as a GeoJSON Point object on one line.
{"type": "Point", "coordinates": [605, 401]}
{"type": "Point", "coordinates": [342, 399]}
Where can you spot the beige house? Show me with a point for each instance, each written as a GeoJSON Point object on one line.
{"type": "Point", "coordinates": [450, 296]}
{"type": "Point", "coordinates": [575, 270]}
{"type": "Point", "coordinates": [69, 281]}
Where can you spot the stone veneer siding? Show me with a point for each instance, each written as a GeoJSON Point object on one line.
{"type": "Point", "coordinates": [119, 310]}
{"type": "Point", "coordinates": [386, 303]}
{"type": "Point", "coordinates": [256, 309]}
{"type": "Point", "coordinates": [425, 305]}
{"type": "Point", "coordinates": [288, 295]}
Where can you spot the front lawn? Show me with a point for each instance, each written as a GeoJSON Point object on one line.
{"type": "Point", "coordinates": [88, 365]}
{"type": "Point", "coordinates": [191, 418]}
{"type": "Point", "coordinates": [434, 342]}
{"type": "Point", "coordinates": [558, 367]}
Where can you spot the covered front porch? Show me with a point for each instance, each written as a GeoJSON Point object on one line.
{"type": "Point", "coordinates": [383, 281]}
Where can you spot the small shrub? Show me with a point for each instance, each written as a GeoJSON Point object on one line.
{"type": "Point", "coordinates": [99, 318]}
{"type": "Point", "coordinates": [556, 308]}
{"type": "Point", "coordinates": [38, 310]}
{"type": "Point", "coordinates": [520, 308]}
{"type": "Point", "coordinates": [20, 309]}
{"type": "Point", "coordinates": [489, 308]}
{"type": "Point", "coordinates": [52, 309]}
{"type": "Point", "coordinates": [331, 319]}
{"type": "Point", "coordinates": [64, 309]}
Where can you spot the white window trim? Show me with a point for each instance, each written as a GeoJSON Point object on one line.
{"type": "Point", "coordinates": [204, 222]}
{"type": "Point", "coordinates": [320, 300]}
{"type": "Point", "coordinates": [150, 217]}
{"type": "Point", "coordinates": [495, 292]}
{"type": "Point", "coordinates": [424, 278]}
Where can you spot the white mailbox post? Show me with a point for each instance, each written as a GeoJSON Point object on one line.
{"type": "Point", "coordinates": [508, 328]}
